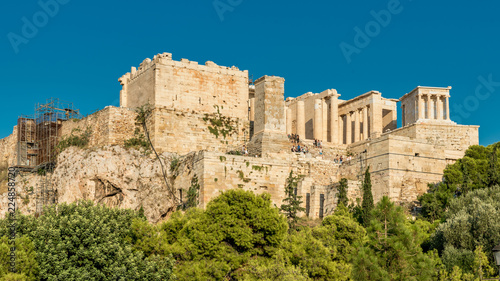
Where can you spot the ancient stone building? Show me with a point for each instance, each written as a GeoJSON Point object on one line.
{"type": "Point", "coordinates": [213, 111]}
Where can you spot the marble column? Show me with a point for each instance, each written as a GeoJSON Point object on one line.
{"type": "Point", "coordinates": [421, 109]}
{"type": "Point", "coordinates": [447, 108]}
{"type": "Point", "coordinates": [324, 118]}
{"type": "Point", "coordinates": [341, 129]}
{"type": "Point", "coordinates": [430, 107]}
{"type": "Point", "coordinates": [301, 120]}
{"type": "Point", "coordinates": [365, 123]}
{"type": "Point", "coordinates": [439, 108]}
{"type": "Point", "coordinates": [289, 121]}
{"type": "Point", "coordinates": [334, 117]}
{"type": "Point", "coordinates": [356, 125]}
{"type": "Point", "coordinates": [348, 132]}
{"type": "Point", "coordinates": [318, 118]}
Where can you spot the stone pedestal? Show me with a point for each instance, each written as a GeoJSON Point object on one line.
{"type": "Point", "coordinates": [270, 124]}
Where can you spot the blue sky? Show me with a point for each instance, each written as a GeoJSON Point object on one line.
{"type": "Point", "coordinates": [80, 48]}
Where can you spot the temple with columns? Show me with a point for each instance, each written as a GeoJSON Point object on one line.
{"type": "Point", "coordinates": [216, 111]}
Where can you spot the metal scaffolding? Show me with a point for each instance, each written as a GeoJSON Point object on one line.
{"type": "Point", "coordinates": [37, 140]}
{"type": "Point", "coordinates": [27, 149]}
{"type": "Point", "coordinates": [49, 118]}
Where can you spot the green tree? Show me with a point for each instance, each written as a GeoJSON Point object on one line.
{"type": "Point", "coordinates": [192, 194]}
{"type": "Point", "coordinates": [367, 204]}
{"type": "Point", "coordinates": [342, 193]}
{"type": "Point", "coordinates": [340, 232]}
{"type": "Point", "coordinates": [291, 204]}
{"type": "Point", "coordinates": [218, 242]}
{"type": "Point", "coordinates": [319, 261]}
{"type": "Point", "coordinates": [391, 251]}
{"type": "Point", "coordinates": [478, 169]}
{"type": "Point", "coordinates": [83, 241]}
{"type": "Point", "coordinates": [14, 277]}
{"type": "Point", "coordinates": [26, 263]}
{"type": "Point", "coordinates": [471, 221]}
{"type": "Point", "coordinates": [493, 173]}
{"type": "Point", "coordinates": [276, 269]}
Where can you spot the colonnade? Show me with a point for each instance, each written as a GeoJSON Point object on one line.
{"type": "Point", "coordinates": [433, 106]}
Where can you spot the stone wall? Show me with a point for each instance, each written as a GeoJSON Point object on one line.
{"type": "Point", "coordinates": [109, 126]}
{"type": "Point", "coordinates": [183, 132]}
{"type": "Point", "coordinates": [8, 149]}
{"type": "Point", "coordinates": [269, 126]}
{"type": "Point", "coordinates": [455, 139]}
{"type": "Point", "coordinates": [186, 86]}
{"type": "Point", "coordinates": [222, 172]}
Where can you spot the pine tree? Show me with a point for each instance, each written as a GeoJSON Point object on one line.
{"type": "Point", "coordinates": [291, 204]}
{"type": "Point", "coordinates": [465, 183]}
{"type": "Point", "coordinates": [493, 175]}
{"type": "Point", "coordinates": [392, 250]}
{"type": "Point", "coordinates": [192, 194]}
{"type": "Point", "coordinates": [367, 204]}
{"type": "Point", "coordinates": [342, 195]}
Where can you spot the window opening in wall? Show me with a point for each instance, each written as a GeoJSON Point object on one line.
{"type": "Point", "coordinates": [321, 205]}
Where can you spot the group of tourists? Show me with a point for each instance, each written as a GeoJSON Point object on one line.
{"type": "Point", "coordinates": [294, 138]}
{"type": "Point", "coordinates": [299, 148]}
{"type": "Point", "coordinates": [342, 159]}
{"type": "Point", "coordinates": [318, 143]}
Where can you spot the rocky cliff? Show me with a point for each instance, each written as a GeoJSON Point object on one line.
{"type": "Point", "coordinates": [112, 175]}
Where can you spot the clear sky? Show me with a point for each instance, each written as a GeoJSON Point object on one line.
{"type": "Point", "coordinates": [76, 50]}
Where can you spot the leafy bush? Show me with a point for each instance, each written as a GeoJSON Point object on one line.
{"type": "Point", "coordinates": [471, 221]}
{"type": "Point", "coordinates": [81, 241]}
{"type": "Point", "coordinates": [138, 141]}
{"type": "Point", "coordinates": [81, 140]}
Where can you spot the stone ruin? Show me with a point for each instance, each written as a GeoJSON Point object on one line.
{"type": "Point", "coordinates": [215, 111]}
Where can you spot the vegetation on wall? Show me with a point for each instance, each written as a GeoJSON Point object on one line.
{"type": "Point", "coordinates": [291, 206]}
{"type": "Point", "coordinates": [76, 138]}
{"type": "Point", "coordinates": [138, 141]}
{"type": "Point", "coordinates": [220, 124]}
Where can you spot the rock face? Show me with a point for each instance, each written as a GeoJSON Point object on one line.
{"type": "Point", "coordinates": [112, 175]}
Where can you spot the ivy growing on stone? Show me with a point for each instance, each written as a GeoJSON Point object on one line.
{"type": "Point", "coordinates": [220, 124]}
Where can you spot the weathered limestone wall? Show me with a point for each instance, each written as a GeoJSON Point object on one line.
{"type": "Point", "coordinates": [110, 126]}
{"type": "Point", "coordinates": [354, 193]}
{"type": "Point", "coordinates": [270, 120]}
{"type": "Point", "coordinates": [8, 149]}
{"type": "Point", "coordinates": [454, 139]}
{"type": "Point", "coordinates": [400, 167]}
{"type": "Point", "coordinates": [409, 110]}
{"type": "Point", "coordinates": [222, 172]}
{"type": "Point", "coordinates": [140, 89]}
{"type": "Point", "coordinates": [187, 86]}
{"type": "Point", "coordinates": [182, 132]}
